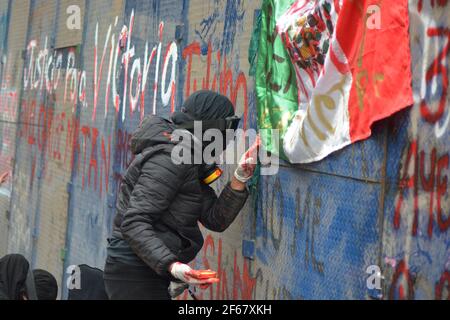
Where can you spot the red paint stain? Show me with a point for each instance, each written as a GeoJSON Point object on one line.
{"type": "Point", "coordinates": [433, 183]}
{"type": "Point", "coordinates": [440, 3]}
{"type": "Point", "coordinates": [397, 289]}
{"type": "Point", "coordinates": [437, 69]}
{"type": "Point", "coordinates": [444, 282]}
{"type": "Point", "coordinates": [243, 284]}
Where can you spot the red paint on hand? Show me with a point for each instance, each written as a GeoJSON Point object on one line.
{"type": "Point", "coordinates": [202, 274]}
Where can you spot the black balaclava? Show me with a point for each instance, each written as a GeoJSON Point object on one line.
{"type": "Point", "coordinates": [46, 285]}
{"type": "Point", "coordinates": [204, 105]}
{"type": "Point", "coordinates": [13, 276]}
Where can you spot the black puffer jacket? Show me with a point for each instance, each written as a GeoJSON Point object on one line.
{"type": "Point", "coordinates": [160, 203]}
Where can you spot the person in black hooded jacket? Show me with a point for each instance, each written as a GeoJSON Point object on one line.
{"type": "Point", "coordinates": [160, 204]}
{"type": "Point", "coordinates": [16, 279]}
{"type": "Point", "coordinates": [19, 282]}
{"type": "Point", "coordinates": [14, 271]}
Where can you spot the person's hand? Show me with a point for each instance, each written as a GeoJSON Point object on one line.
{"type": "Point", "coordinates": [247, 163]}
{"type": "Point", "coordinates": [186, 274]}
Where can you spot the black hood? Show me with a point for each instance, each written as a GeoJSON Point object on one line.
{"type": "Point", "coordinates": [46, 285]}
{"type": "Point", "coordinates": [204, 105]}
{"type": "Point", "coordinates": [201, 105]}
{"type": "Point", "coordinates": [152, 131]}
{"type": "Point", "coordinates": [13, 276]}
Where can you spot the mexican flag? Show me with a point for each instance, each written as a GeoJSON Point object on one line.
{"type": "Point", "coordinates": [327, 70]}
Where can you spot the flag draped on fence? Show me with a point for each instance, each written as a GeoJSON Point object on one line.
{"type": "Point", "coordinates": [328, 69]}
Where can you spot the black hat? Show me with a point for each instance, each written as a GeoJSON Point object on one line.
{"type": "Point", "coordinates": [202, 106]}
